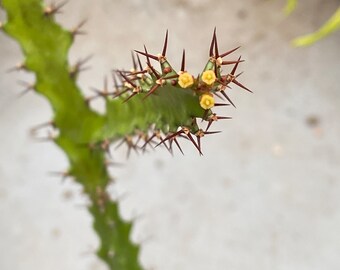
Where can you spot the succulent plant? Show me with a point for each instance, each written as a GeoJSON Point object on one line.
{"type": "Point", "coordinates": [145, 108]}
{"type": "Point", "coordinates": [167, 104]}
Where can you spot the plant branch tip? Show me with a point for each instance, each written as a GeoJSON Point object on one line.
{"type": "Point", "coordinates": [54, 8]}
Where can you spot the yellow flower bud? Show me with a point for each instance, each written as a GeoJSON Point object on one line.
{"type": "Point", "coordinates": [209, 77]}
{"type": "Point", "coordinates": [185, 80]}
{"type": "Point", "coordinates": [207, 101]}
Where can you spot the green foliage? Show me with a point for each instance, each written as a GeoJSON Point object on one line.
{"type": "Point", "coordinates": [146, 104]}
{"type": "Point", "coordinates": [332, 25]}
{"type": "Point", "coordinates": [290, 6]}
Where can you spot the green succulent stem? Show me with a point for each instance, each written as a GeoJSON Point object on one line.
{"type": "Point", "coordinates": [45, 46]}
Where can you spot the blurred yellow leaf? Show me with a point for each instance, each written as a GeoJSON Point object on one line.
{"type": "Point", "coordinates": [329, 27]}
{"type": "Point", "coordinates": [290, 6]}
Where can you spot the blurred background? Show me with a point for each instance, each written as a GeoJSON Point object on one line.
{"type": "Point", "coordinates": [266, 193]}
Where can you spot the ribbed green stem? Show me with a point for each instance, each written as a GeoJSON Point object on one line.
{"type": "Point", "coordinates": [45, 45]}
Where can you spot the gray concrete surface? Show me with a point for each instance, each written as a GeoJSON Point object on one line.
{"type": "Point", "coordinates": [266, 194]}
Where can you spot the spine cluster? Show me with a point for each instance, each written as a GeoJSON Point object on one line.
{"type": "Point", "coordinates": [147, 82]}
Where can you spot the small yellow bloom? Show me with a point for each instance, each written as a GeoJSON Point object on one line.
{"type": "Point", "coordinates": [209, 77]}
{"type": "Point", "coordinates": [185, 80]}
{"type": "Point", "coordinates": [207, 101]}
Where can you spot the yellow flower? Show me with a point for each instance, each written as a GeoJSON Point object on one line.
{"type": "Point", "coordinates": [207, 101]}
{"type": "Point", "coordinates": [185, 80]}
{"type": "Point", "coordinates": [209, 77]}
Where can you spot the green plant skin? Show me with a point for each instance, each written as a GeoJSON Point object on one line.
{"type": "Point", "coordinates": [167, 99]}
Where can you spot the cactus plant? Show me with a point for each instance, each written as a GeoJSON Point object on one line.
{"type": "Point", "coordinates": [146, 108]}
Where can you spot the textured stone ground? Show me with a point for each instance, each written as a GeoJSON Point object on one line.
{"type": "Point", "coordinates": [266, 194]}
